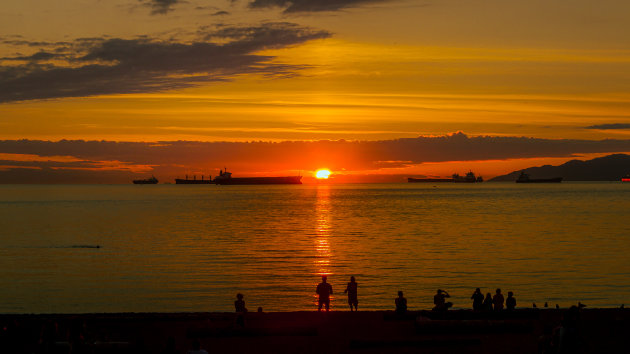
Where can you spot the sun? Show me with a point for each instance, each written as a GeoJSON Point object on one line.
{"type": "Point", "coordinates": [322, 174]}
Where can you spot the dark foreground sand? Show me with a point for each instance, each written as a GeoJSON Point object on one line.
{"type": "Point", "coordinates": [460, 331]}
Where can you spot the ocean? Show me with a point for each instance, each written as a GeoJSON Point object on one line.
{"type": "Point", "coordinates": [172, 248]}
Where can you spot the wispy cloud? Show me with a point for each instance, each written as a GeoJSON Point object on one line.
{"type": "Point", "coordinates": [293, 6]}
{"type": "Point", "coordinates": [95, 66]}
{"type": "Point", "coordinates": [610, 126]}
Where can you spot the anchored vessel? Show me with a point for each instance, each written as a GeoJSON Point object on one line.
{"type": "Point", "coordinates": [194, 180]}
{"type": "Point", "coordinates": [225, 177]}
{"type": "Point", "coordinates": [151, 180]}
{"type": "Point", "coordinates": [469, 178]}
{"type": "Point", "coordinates": [524, 178]}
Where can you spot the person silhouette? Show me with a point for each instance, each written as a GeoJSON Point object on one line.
{"type": "Point", "coordinates": [497, 300]}
{"type": "Point", "coordinates": [477, 298]}
{"type": "Point", "coordinates": [239, 304]}
{"type": "Point", "coordinates": [351, 289]}
{"type": "Point", "coordinates": [510, 302]}
{"type": "Point", "coordinates": [439, 299]}
{"type": "Point", "coordinates": [487, 302]}
{"type": "Point", "coordinates": [324, 290]}
{"type": "Point", "coordinates": [401, 304]}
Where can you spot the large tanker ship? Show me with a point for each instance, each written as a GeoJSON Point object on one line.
{"type": "Point", "coordinates": [194, 180]}
{"type": "Point", "coordinates": [456, 178]}
{"type": "Point", "coordinates": [225, 177]}
{"type": "Point", "coordinates": [151, 180]}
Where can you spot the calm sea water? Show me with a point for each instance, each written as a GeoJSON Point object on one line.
{"type": "Point", "coordinates": [192, 248]}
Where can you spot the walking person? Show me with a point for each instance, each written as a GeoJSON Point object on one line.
{"type": "Point", "coordinates": [324, 290]}
{"type": "Point", "coordinates": [351, 289]}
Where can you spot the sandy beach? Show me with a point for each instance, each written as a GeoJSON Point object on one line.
{"type": "Point", "coordinates": [459, 331]}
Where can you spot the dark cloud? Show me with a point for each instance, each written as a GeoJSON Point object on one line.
{"type": "Point", "coordinates": [220, 13]}
{"type": "Point", "coordinates": [160, 6]}
{"type": "Point", "coordinates": [39, 56]}
{"type": "Point", "coordinates": [180, 157]}
{"type": "Point", "coordinates": [610, 126]}
{"type": "Point", "coordinates": [22, 42]}
{"type": "Point", "coordinates": [311, 5]}
{"type": "Point", "coordinates": [95, 66]}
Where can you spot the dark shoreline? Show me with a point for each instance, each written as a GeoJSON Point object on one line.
{"type": "Point", "coordinates": [457, 331]}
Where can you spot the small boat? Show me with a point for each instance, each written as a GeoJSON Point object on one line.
{"type": "Point", "coordinates": [151, 180]}
{"type": "Point", "coordinates": [626, 178]}
{"type": "Point", "coordinates": [524, 178]}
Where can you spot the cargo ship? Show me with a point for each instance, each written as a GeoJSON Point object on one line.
{"type": "Point", "coordinates": [151, 180]}
{"type": "Point", "coordinates": [626, 178]}
{"type": "Point", "coordinates": [524, 178]}
{"type": "Point", "coordinates": [456, 178]}
{"type": "Point", "coordinates": [469, 178]}
{"type": "Point", "coordinates": [225, 177]}
{"type": "Point", "coordinates": [194, 180]}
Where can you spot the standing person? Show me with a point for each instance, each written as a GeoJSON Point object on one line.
{"type": "Point", "coordinates": [324, 290]}
{"type": "Point", "coordinates": [401, 304]}
{"type": "Point", "coordinates": [351, 289]}
{"type": "Point", "coordinates": [487, 302]}
{"type": "Point", "coordinates": [239, 304]}
{"type": "Point", "coordinates": [510, 302]}
{"type": "Point", "coordinates": [439, 299]}
{"type": "Point", "coordinates": [497, 300]}
{"type": "Point", "coordinates": [477, 298]}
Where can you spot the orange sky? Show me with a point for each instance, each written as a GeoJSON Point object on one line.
{"type": "Point", "coordinates": [206, 70]}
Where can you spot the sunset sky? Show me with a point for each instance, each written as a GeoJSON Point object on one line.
{"type": "Point", "coordinates": [101, 91]}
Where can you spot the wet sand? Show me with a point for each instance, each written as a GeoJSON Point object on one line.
{"type": "Point", "coordinates": [458, 331]}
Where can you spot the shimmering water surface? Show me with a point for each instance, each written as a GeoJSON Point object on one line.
{"type": "Point", "coordinates": [192, 248]}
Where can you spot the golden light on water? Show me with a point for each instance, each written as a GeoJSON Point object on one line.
{"type": "Point", "coordinates": [322, 174]}
{"type": "Point", "coordinates": [322, 229]}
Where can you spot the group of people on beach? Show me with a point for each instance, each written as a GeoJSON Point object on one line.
{"type": "Point", "coordinates": [480, 303]}
{"type": "Point", "coordinates": [489, 302]}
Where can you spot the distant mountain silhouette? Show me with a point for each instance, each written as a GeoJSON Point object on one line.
{"type": "Point", "coordinates": [607, 168]}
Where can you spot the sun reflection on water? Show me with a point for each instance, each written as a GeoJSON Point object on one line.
{"type": "Point", "coordinates": [322, 239]}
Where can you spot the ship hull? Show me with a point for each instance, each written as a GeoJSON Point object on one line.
{"type": "Point", "coordinates": [144, 182]}
{"type": "Point", "coordinates": [192, 181]}
{"type": "Point", "coordinates": [259, 180]}
{"type": "Point", "coordinates": [541, 180]}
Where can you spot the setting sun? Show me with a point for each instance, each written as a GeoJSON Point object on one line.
{"type": "Point", "coordinates": [322, 174]}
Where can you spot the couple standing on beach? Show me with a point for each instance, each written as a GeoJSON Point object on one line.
{"type": "Point", "coordinates": [324, 290]}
